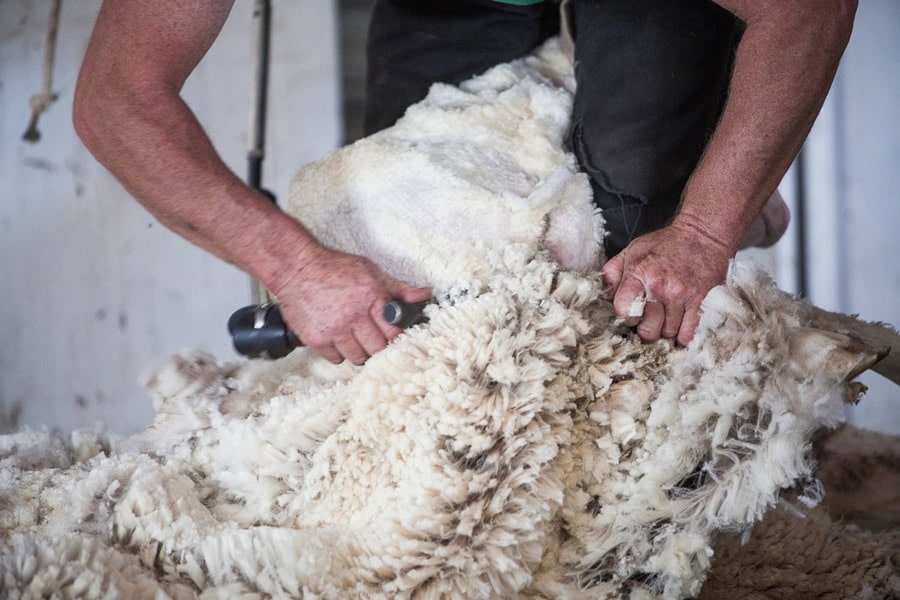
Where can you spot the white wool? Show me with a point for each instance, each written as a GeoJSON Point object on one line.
{"type": "Point", "coordinates": [495, 146]}
{"type": "Point", "coordinates": [521, 443]}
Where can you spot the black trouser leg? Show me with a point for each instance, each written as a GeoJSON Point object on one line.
{"type": "Point", "coordinates": [414, 43]}
{"type": "Point", "coordinates": [652, 77]}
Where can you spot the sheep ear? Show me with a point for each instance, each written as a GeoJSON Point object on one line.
{"type": "Point", "coordinates": [842, 356]}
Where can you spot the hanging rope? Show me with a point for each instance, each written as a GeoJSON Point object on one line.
{"type": "Point", "coordinates": [41, 102]}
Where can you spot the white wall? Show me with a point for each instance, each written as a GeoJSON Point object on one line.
{"type": "Point", "coordinates": [854, 194]}
{"type": "Point", "coordinates": [95, 291]}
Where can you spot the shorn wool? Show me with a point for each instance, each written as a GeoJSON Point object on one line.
{"type": "Point", "coordinates": [522, 443]}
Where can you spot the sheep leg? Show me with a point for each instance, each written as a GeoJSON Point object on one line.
{"type": "Point", "coordinates": [877, 338]}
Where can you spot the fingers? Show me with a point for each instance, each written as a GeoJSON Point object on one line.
{"type": "Point", "coordinates": [660, 319]}
{"type": "Point", "coordinates": [336, 307]}
{"type": "Point", "coordinates": [629, 301]}
{"type": "Point", "coordinates": [653, 302]}
{"type": "Point", "coordinates": [362, 342]}
{"type": "Point", "coordinates": [370, 340]}
{"type": "Point", "coordinates": [351, 350]}
{"type": "Point", "coordinates": [674, 318]}
{"type": "Point", "coordinates": [612, 274]}
{"type": "Point", "coordinates": [665, 320]}
{"type": "Point", "coordinates": [652, 322]}
{"type": "Point", "coordinates": [329, 353]}
{"type": "Point", "coordinates": [655, 318]}
{"type": "Point", "coordinates": [372, 335]}
{"type": "Point", "coordinates": [688, 325]}
{"type": "Point", "coordinates": [661, 285]}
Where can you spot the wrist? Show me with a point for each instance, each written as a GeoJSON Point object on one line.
{"type": "Point", "coordinates": [707, 236]}
{"type": "Point", "coordinates": [277, 247]}
{"type": "Point", "coordinates": [287, 255]}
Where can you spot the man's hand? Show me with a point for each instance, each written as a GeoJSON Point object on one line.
{"type": "Point", "coordinates": [783, 68]}
{"type": "Point", "coordinates": [671, 270]}
{"type": "Point", "coordinates": [334, 303]}
{"type": "Point", "coordinates": [129, 112]}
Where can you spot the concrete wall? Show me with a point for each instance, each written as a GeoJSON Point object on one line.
{"type": "Point", "coordinates": [853, 175]}
{"type": "Point", "coordinates": [95, 291]}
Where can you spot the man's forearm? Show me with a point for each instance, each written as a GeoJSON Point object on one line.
{"type": "Point", "coordinates": [783, 70]}
{"type": "Point", "coordinates": [154, 145]}
{"type": "Point", "coordinates": [129, 112]}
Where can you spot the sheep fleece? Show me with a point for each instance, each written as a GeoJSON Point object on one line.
{"type": "Point", "coordinates": [520, 444]}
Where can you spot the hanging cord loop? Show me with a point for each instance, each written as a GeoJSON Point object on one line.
{"type": "Point", "coordinates": [41, 102]}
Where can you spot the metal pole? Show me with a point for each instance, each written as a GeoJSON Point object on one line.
{"type": "Point", "coordinates": [259, 94]}
{"type": "Point", "coordinates": [801, 220]}
{"type": "Point", "coordinates": [262, 10]}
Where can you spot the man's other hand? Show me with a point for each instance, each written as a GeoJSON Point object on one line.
{"type": "Point", "coordinates": [670, 271]}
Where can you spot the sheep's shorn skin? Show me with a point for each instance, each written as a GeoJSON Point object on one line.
{"type": "Point", "coordinates": [522, 443]}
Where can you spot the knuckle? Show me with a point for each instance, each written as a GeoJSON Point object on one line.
{"type": "Point", "coordinates": [677, 289]}
{"type": "Point", "coordinates": [659, 289]}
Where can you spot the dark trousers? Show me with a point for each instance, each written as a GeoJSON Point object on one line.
{"type": "Point", "coordinates": [652, 76]}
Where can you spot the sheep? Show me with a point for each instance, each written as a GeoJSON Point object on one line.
{"type": "Point", "coordinates": [521, 443]}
